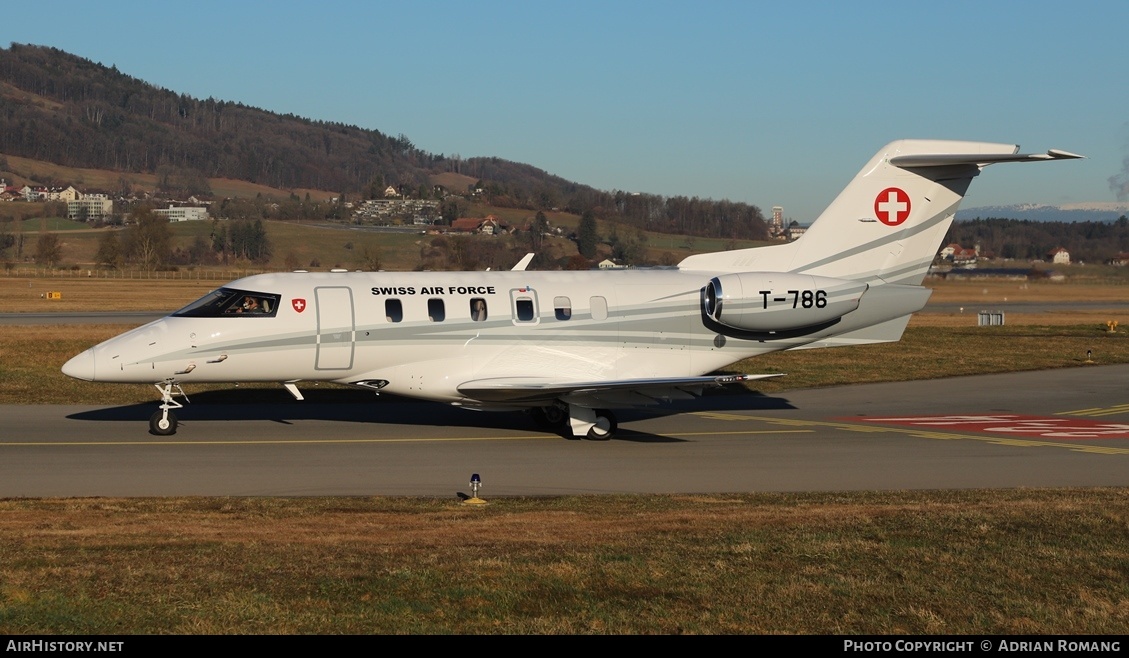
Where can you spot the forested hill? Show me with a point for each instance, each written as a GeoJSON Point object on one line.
{"type": "Point", "coordinates": [64, 109]}
{"type": "Point", "coordinates": [1092, 242]}
{"type": "Point", "coordinates": [68, 110]}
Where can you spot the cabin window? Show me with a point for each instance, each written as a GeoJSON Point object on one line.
{"type": "Point", "coordinates": [230, 302]}
{"type": "Point", "coordinates": [435, 310]}
{"type": "Point", "coordinates": [524, 307]}
{"type": "Point", "coordinates": [563, 307]}
{"type": "Point", "coordinates": [599, 308]}
{"type": "Point", "coordinates": [478, 309]}
{"type": "Point", "coordinates": [393, 310]}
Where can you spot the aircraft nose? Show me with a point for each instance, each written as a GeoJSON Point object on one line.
{"type": "Point", "coordinates": [81, 366]}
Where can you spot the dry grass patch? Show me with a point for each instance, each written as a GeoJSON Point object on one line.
{"type": "Point", "coordinates": [31, 356]}
{"type": "Point", "coordinates": [990, 291]}
{"type": "Point", "coordinates": [930, 352]}
{"type": "Point", "coordinates": [1043, 562]}
{"type": "Point", "coordinates": [88, 294]}
{"type": "Point", "coordinates": [1096, 319]}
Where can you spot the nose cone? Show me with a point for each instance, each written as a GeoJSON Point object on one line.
{"type": "Point", "coordinates": [81, 366]}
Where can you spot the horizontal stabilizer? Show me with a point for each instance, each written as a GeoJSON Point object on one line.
{"type": "Point", "coordinates": [978, 159]}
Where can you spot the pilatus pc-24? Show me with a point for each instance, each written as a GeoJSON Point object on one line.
{"type": "Point", "coordinates": [569, 346]}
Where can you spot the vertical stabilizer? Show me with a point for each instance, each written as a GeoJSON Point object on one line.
{"type": "Point", "coordinates": [889, 222]}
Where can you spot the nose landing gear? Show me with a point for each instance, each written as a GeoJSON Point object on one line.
{"type": "Point", "coordinates": [163, 422]}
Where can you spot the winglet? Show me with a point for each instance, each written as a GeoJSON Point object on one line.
{"type": "Point", "coordinates": [1058, 154]}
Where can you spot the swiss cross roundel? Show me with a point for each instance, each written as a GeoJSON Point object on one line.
{"type": "Point", "coordinates": [891, 206]}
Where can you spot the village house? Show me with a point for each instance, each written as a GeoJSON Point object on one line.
{"type": "Point", "coordinates": [489, 225]}
{"type": "Point", "coordinates": [1059, 256]}
{"type": "Point", "coordinates": [960, 256]}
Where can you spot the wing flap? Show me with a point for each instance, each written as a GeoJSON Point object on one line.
{"type": "Point", "coordinates": [526, 390]}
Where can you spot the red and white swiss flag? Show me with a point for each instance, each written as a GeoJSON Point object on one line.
{"type": "Point", "coordinates": [891, 206]}
{"type": "Point", "coordinates": [298, 303]}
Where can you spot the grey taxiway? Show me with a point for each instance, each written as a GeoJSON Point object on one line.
{"type": "Point", "coordinates": [1036, 429]}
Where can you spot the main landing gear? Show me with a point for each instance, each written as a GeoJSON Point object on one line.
{"type": "Point", "coordinates": [605, 426]}
{"type": "Point", "coordinates": [163, 422]}
{"type": "Point", "coordinates": [581, 422]}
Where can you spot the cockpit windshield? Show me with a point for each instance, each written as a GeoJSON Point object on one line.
{"type": "Point", "coordinates": [230, 302]}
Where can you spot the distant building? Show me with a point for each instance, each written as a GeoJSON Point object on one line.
{"type": "Point", "coordinates": [1059, 256]}
{"type": "Point", "coordinates": [960, 256]}
{"type": "Point", "coordinates": [487, 226]}
{"type": "Point", "coordinates": [384, 211]}
{"type": "Point", "coordinates": [90, 208]}
{"type": "Point", "coordinates": [67, 194]}
{"type": "Point", "coordinates": [37, 193]}
{"type": "Point", "coordinates": [182, 214]}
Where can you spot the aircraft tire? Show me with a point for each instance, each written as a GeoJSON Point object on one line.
{"type": "Point", "coordinates": [549, 417]}
{"type": "Point", "coordinates": [605, 426]}
{"type": "Point", "coordinates": [159, 426]}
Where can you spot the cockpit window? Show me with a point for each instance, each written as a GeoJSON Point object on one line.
{"type": "Point", "coordinates": [230, 302]}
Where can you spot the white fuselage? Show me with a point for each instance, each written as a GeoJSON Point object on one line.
{"type": "Point", "coordinates": [575, 342]}
{"type": "Point", "coordinates": [424, 334]}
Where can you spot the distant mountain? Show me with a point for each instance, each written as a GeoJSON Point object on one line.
{"type": "Point", "coordinates": [1073, 212]}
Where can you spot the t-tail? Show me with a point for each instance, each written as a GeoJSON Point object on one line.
{"type": "Point", "coordinates": [863, 259]}
{"type": "Point", "coordinates": [889, 222]}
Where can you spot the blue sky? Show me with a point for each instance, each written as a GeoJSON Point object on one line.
{"type": "Point", "coordinates": [768, 103]}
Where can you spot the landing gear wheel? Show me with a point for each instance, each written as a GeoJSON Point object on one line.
{"type": "Point", "coordinates": [605, 426]}
{"type": "Point", "coordinates": [550, 417]}
{"type": "Point", "coordinates": [162, 425]}
{"type": "Point", "coordinates": [163, 421]}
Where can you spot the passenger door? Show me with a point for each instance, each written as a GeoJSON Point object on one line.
{"type": "Point", "coordinates": [336, 327]}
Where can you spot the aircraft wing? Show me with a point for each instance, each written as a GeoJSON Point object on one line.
{"type": "Point", "coordinates": [628, 392]}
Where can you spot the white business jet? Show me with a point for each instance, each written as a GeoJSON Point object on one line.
{"type": "Point", "coordinates": [568, 346]}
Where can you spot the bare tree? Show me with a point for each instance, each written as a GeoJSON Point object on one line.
{"type": "Point", "coordinates": [148, 242]}
{"type": "Point", "coordinates": [48, 250]}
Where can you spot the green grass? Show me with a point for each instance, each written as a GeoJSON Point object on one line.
{"type": "Point", "coordinates": [952, 563]}
{"type": "Point", "coordinates": [31, 226]}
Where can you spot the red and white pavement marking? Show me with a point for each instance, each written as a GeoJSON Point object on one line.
{"type": "Point", "coordinates": [1007, 425]}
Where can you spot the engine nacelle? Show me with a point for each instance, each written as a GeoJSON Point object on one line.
{"type": "Point", "coordinates": [771, 302]}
